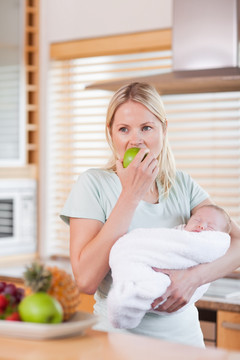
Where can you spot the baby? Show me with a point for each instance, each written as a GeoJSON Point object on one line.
{"type": "Point", "coordinates": [135, 283]}
{"type": "Point", "coordinates": [208, 218]}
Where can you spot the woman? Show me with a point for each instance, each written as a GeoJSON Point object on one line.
{"type": "Point", "coordinates": [105, 204]}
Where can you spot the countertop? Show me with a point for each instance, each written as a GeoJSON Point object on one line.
{"type": "Point", "coordinates": [212, 303]}
{"type": "Point", "coordinates": [95, 345]}
{"type": "Point", "coordinates": [223, 294]}
{"type": "Point", "coordinates": [113, 346]}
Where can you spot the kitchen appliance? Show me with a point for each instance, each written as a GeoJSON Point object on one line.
{"type": "Point", "coordinates": [18, 220]}
{"type": "Point", "coordinates": [205, 34]}
{"type": "Point", "coordinates": [205, 50]}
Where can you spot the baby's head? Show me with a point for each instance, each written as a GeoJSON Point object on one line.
{"type": "Point", "coordinates": [209, 218]}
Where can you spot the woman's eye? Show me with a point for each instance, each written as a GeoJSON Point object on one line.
{"type": "Point", "coordinates": [146, 128]}
{"type": "Point", "coordinates": [123, 129]}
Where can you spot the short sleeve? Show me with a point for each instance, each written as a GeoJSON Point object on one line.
{"type": "Point", "coordinates": [84, 200]}
{"type": "Point", "coordinates": [196, 193]}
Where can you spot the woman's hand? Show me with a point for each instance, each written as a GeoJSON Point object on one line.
{"type": "Point", "coordinates": [182, 287]}
{"type": "Point", "coordinates": [140, 174]}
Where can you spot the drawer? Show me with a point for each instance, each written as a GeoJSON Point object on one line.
{"type": "Point", "coordinates": [228, 330]}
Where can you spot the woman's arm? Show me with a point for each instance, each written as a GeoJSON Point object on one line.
{"type": "Point", "coordinates": [185, 282]}
{"type": "Point", "coordinates": [91, 240]}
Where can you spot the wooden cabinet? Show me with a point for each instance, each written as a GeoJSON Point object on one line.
{"type": "Point", "coordinates": [221, 328]}
{"type": "Point", "coordinates": [87, 303]}
{"type": "Point", "coordinates": [228, 330]}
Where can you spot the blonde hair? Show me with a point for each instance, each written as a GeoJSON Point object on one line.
{"type": "Point", "coordinates": [148, 96]}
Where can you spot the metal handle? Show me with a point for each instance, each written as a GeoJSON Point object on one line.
{"type": "Point", "coordinates": [229, 325]}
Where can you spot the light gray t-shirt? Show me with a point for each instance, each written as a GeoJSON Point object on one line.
{"type": "Point", "coordinates": [94, 195]}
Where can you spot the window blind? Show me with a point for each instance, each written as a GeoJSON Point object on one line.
{"type": "Point", "coordinates": [12, 119]}
{"type": "Point", "coordinates": [204, 131]}
{"type": "Point", "coordinates": [10, 134]}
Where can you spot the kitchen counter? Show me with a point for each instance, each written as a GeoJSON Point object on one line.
{"type": "Point", "coordinates": [212, 303]}
{"type": "Point", "coordinates": [95, 345]}
{"type": "Point", "coordinates": [223, 294]}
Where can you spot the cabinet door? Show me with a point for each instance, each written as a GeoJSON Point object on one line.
{"type": "Point", "coordinates": [228, 330]}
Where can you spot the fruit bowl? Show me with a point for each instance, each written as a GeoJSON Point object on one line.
{"type": "Point", "coordinates": [79, 322]}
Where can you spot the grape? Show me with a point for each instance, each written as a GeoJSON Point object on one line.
{"type": "Point", "coordinates": [10, 298]}
{"type": "Point", "coordinates": [20, 294]}
{"type": "Point", "coordinates": [12, 293]}
{"type": "Point", "coordinates": [2, 286]}
{"type": "Point", "coordinates": [10, 289]}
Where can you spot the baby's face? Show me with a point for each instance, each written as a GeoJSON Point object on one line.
{"type": "Point", "coordinates": [206, 219]}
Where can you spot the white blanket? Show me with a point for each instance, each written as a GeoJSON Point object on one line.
{"type": "Point", "coordinates": [136, 285]}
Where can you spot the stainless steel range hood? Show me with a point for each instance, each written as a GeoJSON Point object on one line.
{"type": "Point", "coordinates": [205, 46]}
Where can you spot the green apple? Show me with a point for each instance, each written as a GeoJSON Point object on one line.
{"type": "Point", "coordinates": [130, 155]}
{"type": "Point", "coordinates": [40, 307]}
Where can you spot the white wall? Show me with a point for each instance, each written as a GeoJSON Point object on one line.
{"type": "Point", "coordinates": [75, 19]}
{"type": "Point", "coordinates": [66, 20]}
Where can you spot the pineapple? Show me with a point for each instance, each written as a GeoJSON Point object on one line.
{"type": "Point", "coordinates": [56, 282]}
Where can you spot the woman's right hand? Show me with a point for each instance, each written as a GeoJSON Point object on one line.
{"type": "Point", "coordinates": [139, 176]}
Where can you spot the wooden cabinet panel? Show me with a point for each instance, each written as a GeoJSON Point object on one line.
{"type": "Point", "coordinates": [228, 330]}
{"type": "Point", "coordinates": [209, 332]}
{"type": "Point", "coordinates": [87, 303]}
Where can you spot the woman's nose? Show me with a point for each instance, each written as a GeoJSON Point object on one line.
{"type": "Point", "coordinates": [136, 138]}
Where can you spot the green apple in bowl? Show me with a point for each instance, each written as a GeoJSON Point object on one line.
{"type": "Point", "coordinates": [130, 155]}
{"type": "Point", "coordinates": [40, 307]}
